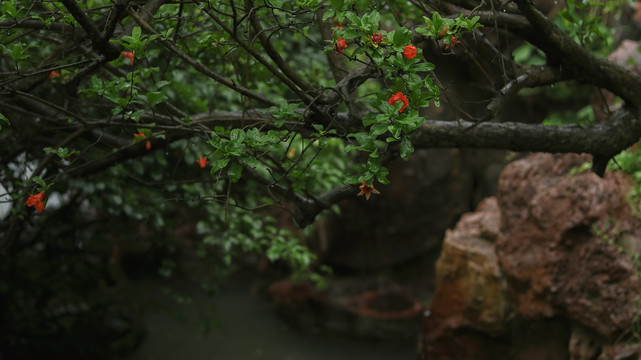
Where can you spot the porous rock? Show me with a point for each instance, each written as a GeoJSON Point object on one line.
{"type": "Point", "coordinates": [542, 271]}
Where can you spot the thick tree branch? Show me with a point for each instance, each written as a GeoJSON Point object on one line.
{"type": "Point", "coordinates": [602, 139]}
{"type": "Point", "coordinates": [533, 77]}
{"type": "Point", "coordinates": [99, 43]}
{"type": "Point", "coordinates": [507, 21]}
{"type": "Point", "coordinates": [576, 60]}
{"type": "Point", "coordinates": [116, 13]}
{"type": "Point", "coordinates": [37, 25]}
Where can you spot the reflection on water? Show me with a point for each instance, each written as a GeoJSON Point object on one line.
{"type": "Point", "coordinates": [249, 329]}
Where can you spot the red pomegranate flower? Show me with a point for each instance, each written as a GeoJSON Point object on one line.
{"type": "Point", "coordinates": [148, 145]}
{"type": "Point", "coordinates": [341, 45]}
{"type": "Point", "coordinates": [409, 52]}
{"type": "Point", "coordinates": [367, 190]}
{"type": "Point", "coordinates": [141, 135]}
{"type": "Point", "coordinates": [202, 161]}
{"type": "Point", "coordinates": [53, 74]}
{"type": "Point", "coordinates": [129, 55]}
{"type": "Point", "coordinates": [36, 200]}
{"type": "Point", "coordinates": [399, 96]}
{"type": "Point", "coordinates": [377, 38]}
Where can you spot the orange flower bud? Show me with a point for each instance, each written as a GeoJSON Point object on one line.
{"type": "Point", "coordinates": [409, 52]}
{"type": "Point", "coordinates": [399, 96]}
{"type": "Point", "coordinates": [129, 55]}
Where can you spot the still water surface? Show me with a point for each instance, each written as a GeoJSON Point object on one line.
{"type": "Point", "coordinates": [248, 328]}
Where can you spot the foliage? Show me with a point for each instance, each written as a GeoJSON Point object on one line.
{"type": "Point", "coordinates": [111, 108]}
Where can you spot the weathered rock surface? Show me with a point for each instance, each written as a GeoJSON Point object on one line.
{"type": "Point", "coordinates": [470, 303]}
{"type": "Point", "coordinates": [543, 266]}
{"type": "Point", "coordinates": [550, 249]}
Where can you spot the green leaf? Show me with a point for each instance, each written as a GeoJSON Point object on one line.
{"type": "Point", "coordinates": [395, 130]}
{"type": "Point", "coordinates": [250, 161]}
{"type": "Point", "coordinates": [39, 181]}
{"type": "Point", "coordinates": [365, 177]}
{"type": "Point", "coordinates": [136, 32]}
{"type": "Point", "coordinates": [235, 171]}
{"type": "Point", "coordinates": [237, 135]}
{"type": "Point", "coordinates": [354, 18]}
{"type": "Point", "coordinates": [366, 140]}
{"type": "Point", "coordinates": [350, 179]}
{"type": "Point", "coordinates": [253, 136]}
{"type": "Point", "coordinates": [351, 147]}
{"type": "Point", "coordinates": [371, 20]}
{"type": "Point", "coordinates": [381, 176]}
{"type": "Point", "coordinates": [154, 98]}
{"type": "Point", "coordinates": [402, 37]}
{"type": "Point", "coordinates": [4, 118]}
{"type": "Point", "coordinates": [161, 84]}
{"type": "Point", "coordinates": [369, 119]}
{"type": "Point", "coordinates": [406, 147]}
{"type": "Point", "coordinates": [220, 164]}
{"type": "Point", "coordinates": [279, 122]}
{"type": "Point", "coordinates": [424, 31]}
{"type": "Point", "coordinates": [378, 129]}
{"type": "Point", "coordinates": [424, 66]}
{"type": "Point", "coordinates": [328, 14]}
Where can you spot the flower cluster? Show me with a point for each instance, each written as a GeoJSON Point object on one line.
{"type": "Point", "coordinates": [36, 200]}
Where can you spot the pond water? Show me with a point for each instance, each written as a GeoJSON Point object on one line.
{"type": "Point", "coordinates": [248, 328]}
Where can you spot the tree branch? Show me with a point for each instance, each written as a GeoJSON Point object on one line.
{"type": "Point", "coordinates": [275, 56]}
{"type": "Point", "coordinates": [585, 67]}
{"type": "Point", "coordinates": [200, 67]}
{"type": "Point", "coordinates": [37, 25]}
{"type": "Point", "coordinates": [99, 43]}
{"type": "Point", "coordinates": [602, 139]}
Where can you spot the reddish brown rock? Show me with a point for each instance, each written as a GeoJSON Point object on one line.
{"type": "Point", "coordinates": [542, 272]}
{"type": "Point", "coordinates": [550, 249]}
{"type": "Point", "coordinates": [470, 303]}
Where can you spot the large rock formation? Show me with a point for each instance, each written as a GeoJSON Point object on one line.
{"type": "Point", "coordinates": [541, 272]}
